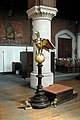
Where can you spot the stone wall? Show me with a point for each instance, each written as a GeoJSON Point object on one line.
{"type": "Point", "coordinates": [22, 26]}
{"type": "Point", "coordinates": [62, 24]}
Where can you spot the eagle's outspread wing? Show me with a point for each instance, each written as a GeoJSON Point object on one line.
{"type": "Point", "coordinates": [42, 43]}
{"type": "Point", "coordinates": [47, 44]}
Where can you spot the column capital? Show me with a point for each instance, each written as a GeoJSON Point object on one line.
{"type": "Point", "coordinates": [42, 12]}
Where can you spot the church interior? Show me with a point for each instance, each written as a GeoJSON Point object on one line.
{"type": "Point", "coordinates": [31, 89]}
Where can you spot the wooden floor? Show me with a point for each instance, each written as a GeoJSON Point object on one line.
{"type": "Point", "coordinates": [14, 91]}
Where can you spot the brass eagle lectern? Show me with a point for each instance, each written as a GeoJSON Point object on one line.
{"type": "Point", "coordinates": [39, 100]}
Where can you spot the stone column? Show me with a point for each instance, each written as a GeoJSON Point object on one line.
{"type": "Point", "coordinates": [42, 16]}
{"type": "Point", "coordinates": [78, 45]}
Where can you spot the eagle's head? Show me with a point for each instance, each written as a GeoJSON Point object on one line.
{"type": "Point", "coordinates": [37, 35]}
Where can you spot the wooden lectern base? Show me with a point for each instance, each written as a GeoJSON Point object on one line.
{"type": "Point", "coordinates": [61, 92]}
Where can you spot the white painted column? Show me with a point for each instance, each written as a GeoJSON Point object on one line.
{"type": "Point", "coordinates": [78, 45]}
{"type": "Point", "coordinates": [42, 16]}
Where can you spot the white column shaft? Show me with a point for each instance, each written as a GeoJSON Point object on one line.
{"type": "Point", "coordinates": [42, 16]}
{"type": "Point", "coordinates": [78, 46]}
{"type": "Point", "coordinates": [44, 27]}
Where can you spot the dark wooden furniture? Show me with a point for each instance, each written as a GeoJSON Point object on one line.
{"type": "Point", "coordinates": [61, 92]}
{"type": "Point", "coordinates": [68, 65]}
{"type": "Point", "coordinates": [16, 66]}
{"type": "Point", "coordinates": [26, 59]}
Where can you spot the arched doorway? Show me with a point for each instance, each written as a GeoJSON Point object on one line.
{"type": "Point", "coordinates": [65, 42]}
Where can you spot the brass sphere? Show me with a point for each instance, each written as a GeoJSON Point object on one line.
{"type": "Point", "coordinates": [39, 57]}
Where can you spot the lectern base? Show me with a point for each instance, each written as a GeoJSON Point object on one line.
{"type": "Point", "coordinates": [39, 101]}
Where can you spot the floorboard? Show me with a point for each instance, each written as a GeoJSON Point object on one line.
{"type": "Point", "coordinates": [14, 91]}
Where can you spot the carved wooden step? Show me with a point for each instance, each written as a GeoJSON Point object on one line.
{"type": "Point", "coordinates": [61, 92]}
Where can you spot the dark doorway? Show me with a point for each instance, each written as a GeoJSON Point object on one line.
{"type": "Point", "coordinates": [64, 48]}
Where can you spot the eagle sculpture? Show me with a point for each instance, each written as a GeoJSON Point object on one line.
{"type": "Point", "coordinates": [42, 43]}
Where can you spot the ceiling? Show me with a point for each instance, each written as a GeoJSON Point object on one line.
{"type": "Point", "coordinates": [67, 9]}
{"type": "Point", "coordinates": [13, 4]}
